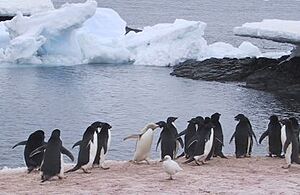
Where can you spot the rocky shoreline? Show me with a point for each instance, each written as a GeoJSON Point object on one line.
{"type": "Point", "coordinates": [278, 76]}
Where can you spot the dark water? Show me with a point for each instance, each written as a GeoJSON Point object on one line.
{"type": "Point", "coordinates": [72, 97]}
{"type": "Point", "coordinates": [127, 96]}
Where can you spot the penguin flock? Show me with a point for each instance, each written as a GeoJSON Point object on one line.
{"type": "Point", "coordinates": [203, 139]}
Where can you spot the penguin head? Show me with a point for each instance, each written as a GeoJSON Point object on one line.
{"type": "Point", "coordinates": [55, 133]}
{"type": "Point", "coordinates": [161, 124]}
{"type": "Point", "coordinates": [200, 120]}
{"type": "Point", "coordinates": [39, 134]}
{"type": "Point", "coordinates": [152, 126]}
{"type": "Point", "coordinates": [192, 121]}
{"type": "Point", "coordinates": [105, 126]}
{"type": "Point", "coordinates": [97, 124]}
{"type": "Point", "coordinates": [273, 118]}
{"type": "Point", "coordinates": [285, 121]}
{"type": "Point", "coordinates": [215, 116]}
{"type": "Point", "coordinates": [294, 122]}
{"type": "Point", "coordinates": [171, 119]}
{"type": "Point", "coordinates": [167, 157]}
{"type": "Point", "coordinates": [206, 120]}
{"type": "Point", "coordinates": [239, 117]}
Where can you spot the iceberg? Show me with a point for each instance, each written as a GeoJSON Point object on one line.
{"type": "Point", "coordinates": [83, 33]}
{"type": "Point", "coordinates": [26, 7]}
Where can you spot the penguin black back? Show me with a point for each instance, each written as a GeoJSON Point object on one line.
{"type": "Point", "coordinates": [167, 139]}
{"type": "Point", "coordinates": [219, 138]}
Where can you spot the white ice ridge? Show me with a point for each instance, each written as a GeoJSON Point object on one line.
{"type": "Point", "coordinates": [26, 7]}
{"type": "Point", "coordinates": [82, 33]}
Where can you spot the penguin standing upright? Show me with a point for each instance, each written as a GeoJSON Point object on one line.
{"type": "Point", "coordinates": [104, 139]}
{"type": "Point", "coordinates": [87, 148]}
{"type": "Point", "coordinates": [243, 137]}
{"type": "Point", "coordinates": [289, 143]}
{"type": "Point", "coordinates": [168, 140]}
{"type": "Point", "coordinates": [296, 128]}
{"type": "Point", "coordinates": [144, 142]}
{"type": "Point", "coordinates": [52, 164]}
{"type": "Point", "coordinates": [173, 129]}
{"type": "Point", "coordinates": [204, 141]}
{"type": "Point", "coordinates": [274, 134]}
{"type": "Point", "coordinates": [35, 140]}
{"type": "Point", "coordinates": [189, 133]}
{"type": "Point", "coordinates": [219, 138]}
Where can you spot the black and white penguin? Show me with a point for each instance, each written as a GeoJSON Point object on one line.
{"type": "Point", "coordinates": [289, 143]}
{"type": "Point", "coordinates": [168, 140]}
{"type": "Point", "coordinates": [274, 134]}
{"type": "Point", "coordinates": [104, 139]}
{"type": "Point", "coordinates": [143, 144]}
{"type": "Point", "coordinates": [171, 125]}
{"type": "Point", "coordinates": [87, 148]}
{"type": "Point", "coordinates": [296, 128]}
{"type": "Point", "coordinates": [204, 141]}
{"type": "Point", "coordinates": [243, 137]}
{"type": "Point", "coordinates": [219, 138]}
{"type": "Point", "coordinates": [189, 133]}
{"type": "Point", "coordinates": [35, 140]}
{"type": "Point", "coordinates": [53, 164]}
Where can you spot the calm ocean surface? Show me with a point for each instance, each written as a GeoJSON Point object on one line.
{"type": "Point", "coordinates": [129, 96]}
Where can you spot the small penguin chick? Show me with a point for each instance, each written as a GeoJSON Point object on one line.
{"type": "Point", "coordinates": [170, 167]}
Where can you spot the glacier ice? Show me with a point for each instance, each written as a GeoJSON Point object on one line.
{"type": "Point", "coordinates": [97, 35]}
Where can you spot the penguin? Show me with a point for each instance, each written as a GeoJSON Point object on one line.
{"type": "Point", "coordinates": [289, 143]}
{"type": "Point", "coordinates": [243, 137]}
{"type": "Point", "coordinates": [144, 142]}
{"type": "Point", "coordinates": [168, 140]}
{"type": "Point", "coordinates": [219, 138]}
{"type": "Point", "coordinates": [104, 139]}
{"type": "Point", "coordinates": [296, 128]}
{"type": "Point", "coordinates": [88, 147]}
{"type": "Point", "coordinates": [204, 142]}
{"type": "Point", "coordinates": [172, 127]}
{"type": "Point", "coordinates": [53, 164]}
{"type": "Point", "coordinates": [188, 133]}
{"type": "Point", "coordinates": [35, 140]}
{"type": "Point", "coordinates": [274, 134]}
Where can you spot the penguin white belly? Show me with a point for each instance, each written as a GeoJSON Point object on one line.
{"type": "Point", "coordinates": [61, 173]}
{"type": "Point", "coordinates": [143, 146]}
{"type": "Point", "coordinates": [102, 154]}
{"type": "Point", "coordinates": [288, 154]}
{"type": "Point", "coordinates": [92, 152]}
{"type": "Point", "coordinates": [207, 148]}
{"type": "Point", "coordinates": [283, 135]}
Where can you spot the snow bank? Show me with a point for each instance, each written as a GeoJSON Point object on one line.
{"type": "Point", "coordinates": [286, 31]}
{"type": "Point", "coordinates": [26, 7]}
{"type": "Point", "coordinates": [83, 33]}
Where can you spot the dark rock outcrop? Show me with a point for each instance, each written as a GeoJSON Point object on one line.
{"type": "Point", "coordinates": [258, 73]}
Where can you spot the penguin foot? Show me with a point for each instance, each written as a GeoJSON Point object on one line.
{"type": "Point", "coordinates": [105, 168]}
{"type": "Point", "coordinates": [86, 171]}
{"type": "Point", "coordinates": [30, 169]}
{"type": "Point", "coordinates": [286, 166]}
{"type": "Point", "coordinates": [61, 177]}
{"type": "Point", "coordinates": [95, 166]}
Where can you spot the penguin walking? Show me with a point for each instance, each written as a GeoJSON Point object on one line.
{"type": "Point", "coordinates": [204, 141]}
{"type": "Point", "coordinates": [88, 147]}
{"type": "Point", "coordinates": [35, 140]}
{"type": "Point", "coordinates": [219, 138]}
{"type": "Point", "coordinates": [104, 139]}
{"type": "Point", "coordinates": [243, 137]}
{"type": "Point", "coordinates": [189, 133]}
{"type": "Point", "coordinates": [168, 140]}
{"type": "Point", "coordinates": [143, 144]}
{"type": "Point", "coordinates": [171, 125]}
{"type": "Point", "coordinates": [289, 143]}
{"type": "Point", "coordinates": [53, 164]}
{"type": "Point", "coordinates": [274, 134]}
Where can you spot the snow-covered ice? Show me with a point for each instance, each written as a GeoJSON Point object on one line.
{"type": "Point", "coordinates": [26, 7]}
{"type": "Point", "coordinates": [97, 35]}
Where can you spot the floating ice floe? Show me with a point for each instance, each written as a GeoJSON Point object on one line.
{"type": "Point", "coordinates": [26, 7]}
{"type": "Point", "coordinates": [82, 33]}
{"type": "Point", "coordinates": [285, 31]}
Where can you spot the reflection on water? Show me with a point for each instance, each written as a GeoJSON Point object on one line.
{"type": "Point", "coordinates": [127, 97]}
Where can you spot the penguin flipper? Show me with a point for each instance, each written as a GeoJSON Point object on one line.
{"type": "Point", "coordinates": [133, 136]}
{"type": "Point", "coordinates": [38, 150]}
{"type": "Point", "coordinates": [233, 135]}
{"type": "Point", "coordinates": [19, 144]}
{"type": "Point", "coordinates": [253, 134]}
{"type": "Point", "coordinates": [182, 133]}
{"type": "Point", "coordinates": [218, 140]}
{"type": "Point", "coordinates": [159, 139]}
{"type": "Point", "coordinates": [181, 142]}
{"type": "Point", "coordinates": [65, 151]}
{"type": "Point", "coordinates": [76, 144]}
{"type": "Point", "coordinates": [191, 142]}
{"type": "Point", "coordinates": [262, 137]}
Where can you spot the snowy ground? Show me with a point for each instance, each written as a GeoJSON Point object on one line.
{"type": "Point", "coordinates": [256, 175]}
